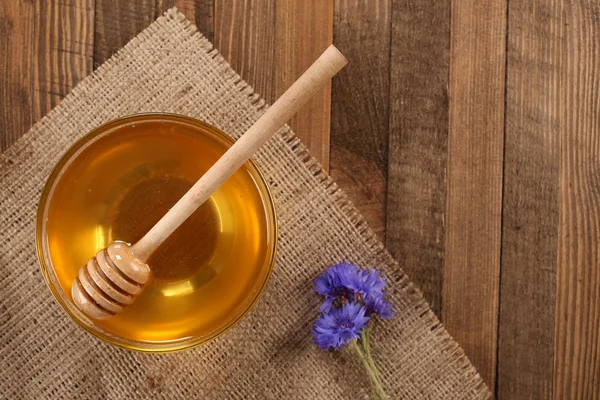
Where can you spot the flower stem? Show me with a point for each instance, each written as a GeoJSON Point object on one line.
{"type": "Point", "coordinates": [371, 371]}
{"type": "Point", "coordinates": [366, 338]}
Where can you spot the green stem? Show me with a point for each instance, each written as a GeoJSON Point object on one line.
{"type": "Point", "coordinates": [366, 339]}
{"type": "Point", "coordinates": [371, 371]}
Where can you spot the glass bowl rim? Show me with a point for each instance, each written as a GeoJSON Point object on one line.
{"type": "Point", "coordinates": [71, 310]}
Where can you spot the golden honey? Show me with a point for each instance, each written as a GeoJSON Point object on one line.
{"type": "Point", "coordinates": [117, 185]}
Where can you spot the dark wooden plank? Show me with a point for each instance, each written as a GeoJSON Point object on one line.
{"type": "Point", "coordinates": [119, 21]}
{"type": "Point", "coordinates": [577, 330]}
{"type": "Point", "coordinates": [303, 30]}
{"type": "Point", "coordinates": [418, 134]}
{"type": "Point", "coordinates": [46, 50]}
{"type": "Point", "coordinates": [530, 205]}
{"type": "Point", "coordinates": [245, 36]}
{"type": "Point", "coordinates": [474, 197]}
{"type": "Point", "coordinates": [201, 13]}
{"type": "Point", "coordinates": [360, 107]}
{"type": "Point", "coordinates": [16, 64]}
{"type": "Point", "coordinates": [63, 43]}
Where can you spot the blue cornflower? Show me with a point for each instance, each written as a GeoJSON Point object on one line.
{"type": "Point", "coordinates": [343, 283]}
{"type": "Point", "coordinates": [364, 283]}
{"type": "Point", "coordinates": [352, 297]}
{"type": "Point", "coordinates": [330, 284]}
{"type": "Point", "coordinates": [378, 305]}
{"type": "Point", "coordinates": [339, 326]}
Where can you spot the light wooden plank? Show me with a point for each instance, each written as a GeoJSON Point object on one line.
{"type": "Point", "coordinates": [360, 107]}
{"type": "Point", "coordinates": [245, 36]}
{"type": "Point", "coordinates": [530, 204]}
{"type": "Point", "coordinates": [577, 330]}
{"type": "Point", "coordinates": [304, 29]}
{"type": "Point", "coordinates": [270, 44]}
{"type": "Point", "coordinates": [474, 189]}
{"type": "Point", "coordinates": [16, 63]}
{"type": "Point", "coordinates": [418, 137]}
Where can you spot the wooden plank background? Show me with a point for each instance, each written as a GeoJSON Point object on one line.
{"type": "Point", "coordinates": [474, 184]}
{"type": "Point", "coordinates": [466, 132]}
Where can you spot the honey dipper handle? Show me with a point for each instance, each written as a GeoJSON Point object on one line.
{"type": "Point", "coordinates": [315, 77]}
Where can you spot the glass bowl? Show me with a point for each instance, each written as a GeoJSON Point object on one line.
{"type": "Point", "coordinates": [114, 184]}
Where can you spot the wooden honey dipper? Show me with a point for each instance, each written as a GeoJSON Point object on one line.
{"type": "Point", "coordinates": [116, 275]}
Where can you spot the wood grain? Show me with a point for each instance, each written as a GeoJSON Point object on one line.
{"type": "Point", "coordinates": [360, 107]}
{"type": "Point", "coordinates": [303, 30]}
{"type": "Point", "coordinates": [64, 45]}
{"type": "Point", "coordinates": [201, 13]}
{"type": "Point", "coordinates": [474, 196]}
{"type": "Point", "coordinates": [577, 330]}
{"type": "Point", "coordinates": [530, 204]}
{"type": "Point", "coordinates": [245, 36]}
{"type": "Point", "coordinates": [47, 50]}
{"type": "Point", "coordinates": [270, 44]}
{"type": "Point", "coordinates": [16, 33]}
{"type": "Point", "coordinates": [118, 21]}
{"type": "Point", "coordinates": [418, 134]}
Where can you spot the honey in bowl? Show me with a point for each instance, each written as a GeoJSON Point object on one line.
{"type": "Point", "coordinates": [116, 184]}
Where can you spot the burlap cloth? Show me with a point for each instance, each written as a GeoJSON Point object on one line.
{"type": "Point", "coordinates": [171, 67]}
